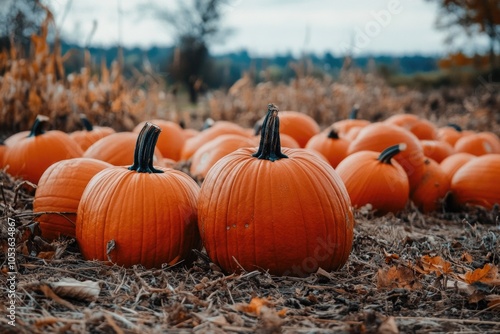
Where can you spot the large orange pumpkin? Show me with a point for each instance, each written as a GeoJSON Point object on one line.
{"type": "Point", "coordinates": [478, 144]}
{"type": "Point", "coordinates": [286, 212]}
{"type": "Point", "coordinates": [378, 136]}
{"type": "Point", "coordinates": [59, 192]}
{"type": "Point", "coordinates": [450, 133]}
{"type": "Point", "coordinates": [90, 134]}
{"type": "Point", "coordinates": [344, 126]}
{"type": "Point", "coordinates": [476, 182]}
{"type": "Point", "coordinates": [377, 179]}
{"type": "Point", "coordinates": [436, 150]}
{"type": "Point", "coordinates": [141, 214]}
{"type": "Point", "coordinates": [29, 157]}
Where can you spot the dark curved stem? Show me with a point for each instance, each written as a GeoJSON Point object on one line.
{"type": "Point", "coordinates": [145, 149]}
{"type": "Point", "coordinates": [333, 134]}
{"type": "Point", "coordinates": [86, 123]}
{"type": "Point", "coordinates": [354, 112]}
{"type": "Point", "coordinates": [390, 152]}
{"type": "Point", "coordinates": [455, 126]}
{"type": "Point", "coordinates": [270, 144]}
{"type": "Point", "coordinates": [39, 125]}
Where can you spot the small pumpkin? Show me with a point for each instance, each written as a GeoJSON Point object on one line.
{"type": "Point", "coordinates": [209, 153]}
{"type": "Point", "coordinates": [436, 150]}
{"type": "Point", "coordinates": [452, 163]}
{"type": "Point", "coordinates": [29, 157]}
{"type": "Point", "coordinates": [299, 126]}
{"type": "Point", "coordinates": [117, 149]}
{"type": "Point", "coordinates": [58, 194]}
{"type": "Point", "coordinates": [378, 136]}
{"type": "Point", "coordinates": [346, 126]}
{"type": "Point", "coordinates": [283, 211]}
{"type": "Point", "coordinates": [476, 182]}
{"type": "Point", "coordinates": [330, 145]}
{"type": "Point", "coordinates": [90, 134]}
{"type": "Point", "coordinates": [420, 127]}
{"type": "Point", "coordinates": [218, 128]}
{"type": "Point", "coordinates": [432, 188]}
{"type": "Point", "coordinates": [139, 214]}
{"type": "Point", "coordinates": [450, 133]}
{"type": "Point", "coordinates": [478, 144]}
{"type": "Point", "coordinates": [171, 140]}
{"type": "Point", "coordinates": [376, 179]}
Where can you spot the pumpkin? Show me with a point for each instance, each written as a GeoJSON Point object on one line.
{"type": "Point", "coordinates": [283, 211]}
{"type": "Point", "coordinates": [286, 140]}
{"type": "Point", "coordinates": [432, 188]}
{"type": "Point", "coordinates": [209, 133]}
{"type": "Point", "coordinates": [139, 214]}
{"type": "Point", "coordinates": [450, 133]}
{"type": "Point", "coordinates": [117, 149]}
{"type": "Point", "coordinates": [452, 163]}
{"type": "Point", "coordinates": [189, 133]}
{"type": "Point", "coordinates": [3, 149]}
{"type": "Point", "coordinates": [11, 140]}
{"type": "Point", "coordinates": [478, 144]}
{"type": "Point", "coordinates": [421, 128]}
{"type": "Point", "coordinates": [436, 150]}
{"type": "Point", "coordinates": [345, 126]}
{"type": "Point", "coordinates": [376, 179]}
{"type": "Point", "coordinates": [378, 136]}
{"type": "Point", "coordinates": [476, 182]}
{"type": "Point", "coordinates": [29, 157]}
{"type": "Point", "coordinates": [330, 145]}
{"type": "Point", "coordinates": [59, 192]}
{"type": "Point", "coordinates": [299, 126]}
{"type": "Point", "coordinates": [171, 140]}
{"type": "Point", "coordinates": [90, 134]}
{"type": "Point", "coordinates": [405, 121]}
{"type": "Point", "coordinates": [209, 153]}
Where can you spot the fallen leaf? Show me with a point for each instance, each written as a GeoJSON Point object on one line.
{"type": "Point", "coordinates": [255, 305]}
{"type": "Point", "coordinates": [72, 288]}
{"type": "Point", "coordinates": [435, 264]}
{"type": "Point", "coordinates": [488, 275]}
{"type": "Point", "coordinates": [397, 277]}
{"type": "Point", "coordinates": [493, 301]}
{"type": "Point", "coordinates": [47, 291]}
{"type": "Point", "coordinates": [390, 256]}
{"type": "Point", "coordinates": [466, 257]}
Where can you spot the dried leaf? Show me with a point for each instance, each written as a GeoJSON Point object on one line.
{"type": "Point", "coordinates": [466, 257]}
{"type": "Point", "coordinates": [47, 291]}
{"type": "Point", "coordinates": [255, 306]}
{"type": "Point", "coordinates": [493, 301]}
{"type": "Point", "coordinates": [390, 256]}
{"type": "Point", "coordinates": [397, 277]}
{"type": "Point", "coordinates": [488, 275]}
{"type": "Point", "coordinates": [435, 264]}
{"type": "Point", "coordinates": [72, 288]}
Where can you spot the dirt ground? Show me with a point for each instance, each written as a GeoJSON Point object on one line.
{"type": "Point", "coordinates": [407, 273]}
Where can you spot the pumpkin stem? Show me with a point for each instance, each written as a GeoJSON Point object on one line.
{"type": "Point", "coordinates": [145, 149]}
{"type": "Point", "coordinates": [455, 126]}
{"type": "Point", "coordinates": [354, 112]}
{"type": "Point", "coordinates": [270, 144]}
{"type": "Point", "coordinates": [38, 127]}
{"type": "Point", "coordinates": [390, 152]}
{"type": "Point", "coordinates": [333, 134]}
{"type": "Point", "coordinates": [86, 123]}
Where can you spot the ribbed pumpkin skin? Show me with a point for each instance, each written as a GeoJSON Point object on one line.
{"type": "Point", "coordinates": [289, 216]}
{"type": "Point", "coordinates": [379, 136]}
{"type": "Point", "coordinates": [478, 144]}
{"type": "Point", "coordinates": [151, 217]}
{"type": "Point", "coordinates": [209, 153]}
{"type": "Point", "coordinates": [86, 138]}
{"type": "Point", "coordinates": [117, 149]}
{"type": "Point", "coordinates": [476, 182]}
{"type": "Point", "coordinates": [453, 163]}
{"type": "Point", "coordinates": [437, 150]}
{"type": "Point", "coordinates": [432, 188]}
{"type": "Point", "coordinates": [384, 186]}
{"type": "Point", "coordinates": [299, 126]}
{"type": "Point", "coordinates": [29, 157]}
{"type": "Point", "coordinates": [59, 190]}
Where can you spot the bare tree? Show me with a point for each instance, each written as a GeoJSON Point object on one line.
{"type": "Point", "coordinates": [19, 19]}
{"type": "Point", "coordinates": [474, 16]}
{"type": "Point", "coordinates": [196, 24]}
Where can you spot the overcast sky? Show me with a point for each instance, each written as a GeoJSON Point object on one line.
{"type": "Point", "coordinates": [268, 27]}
